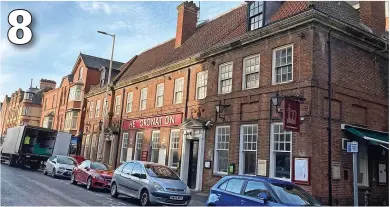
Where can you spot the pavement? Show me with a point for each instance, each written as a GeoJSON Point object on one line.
{"type": "Point", "coordinates": [24, 187]}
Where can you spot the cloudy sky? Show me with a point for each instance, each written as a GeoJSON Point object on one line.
{"type": "Point", "coordinates": [61, 30]}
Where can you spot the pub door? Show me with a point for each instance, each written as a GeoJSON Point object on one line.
{"type": "Point", "coordinates": [193, 164]}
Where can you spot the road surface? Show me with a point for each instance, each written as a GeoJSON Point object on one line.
{"type": "Point", "coordinates": [23, 187]}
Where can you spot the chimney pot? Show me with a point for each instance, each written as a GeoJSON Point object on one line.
{"type": "Point", "coordinates": [186, 22]}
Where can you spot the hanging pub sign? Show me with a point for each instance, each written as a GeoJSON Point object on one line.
{"type": "Point", "coordinates": [150, 122]}
{"type": "Point", "coordinates": [291, 115]}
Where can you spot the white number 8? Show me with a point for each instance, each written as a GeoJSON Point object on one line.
{"type": "Point", "coordinates": [13, 21]}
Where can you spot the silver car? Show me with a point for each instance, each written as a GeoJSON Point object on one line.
{"type": "Point", "coordinates": [151, 183]}
{"type": "Point", "coordinates": [58, 165]}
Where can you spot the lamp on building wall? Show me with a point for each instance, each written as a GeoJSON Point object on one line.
{"type": "Point", "coordinates": [219, 108]}
{"type": "Point", "coordinates": [276, 99]}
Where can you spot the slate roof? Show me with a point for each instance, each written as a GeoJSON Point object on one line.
{"type": "Point", "coordinates": [97, 62]}
{"type": "Point", "coordinates": [229, 26]}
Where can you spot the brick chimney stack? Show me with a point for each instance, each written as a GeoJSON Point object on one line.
{"type": "Point", "coordinates": [186, 21]}
{"type": "Point", "coordinates": [44, 83]}
{"type": "Point", "coordinates": [372, 14]}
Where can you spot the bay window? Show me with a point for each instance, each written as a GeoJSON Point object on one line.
{"type": "Point", "coordinates": [71, 119]}
{"type": "Point", "coordinates": [75, 93]}
{"type": "Point", "coordinates": [281, 145]}
{"type": "Point", "coordinates": [173, 160]}
{"type": "Point", "coordinates": [155, 146]}
{"type": "Point", "coordinates": [251, 72]}
{"type": "Point", "coordinates": [48, 122]}
{"type": "Point", "coordinates": [248, 149]}
{"type": "Point", "coordinates": [221, 154]}
{"type": "Point", "coordinates": [28, 96]}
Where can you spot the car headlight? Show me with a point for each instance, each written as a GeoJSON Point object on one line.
{"type": "Point", "coordinates": [97, 176]}
{"type": "Point", "coordinates": [158, 187]}
{"type": "Point", "coordinates": [61, 168]}
{"type": "Point", "coordinates": [188, 190]}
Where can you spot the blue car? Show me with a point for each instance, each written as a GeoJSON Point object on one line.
{"type": "Point", "coordinates": [258, 191]}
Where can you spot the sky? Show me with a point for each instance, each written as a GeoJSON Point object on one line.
{"type": "Point", "coordinates": [61, 30]}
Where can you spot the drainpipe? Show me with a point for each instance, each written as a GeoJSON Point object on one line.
{"type": "Point", "coordinates": [187, 93]}
{"type": "Point", "coordinates": [120, 127]}
{"type": "Point", "coordinates": [329, 120]}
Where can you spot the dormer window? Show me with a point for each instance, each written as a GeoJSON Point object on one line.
{"type": "Point", "coordinates": [256, 9]}
{"type": "Point", "coordinates": [28, 96]}
{"type": "Point", "coordinates": [102, 77]}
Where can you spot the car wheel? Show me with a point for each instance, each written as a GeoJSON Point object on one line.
{"type": "Point", "coordinates": [144, 200]}
{"type": "Point", "coordinates": [44, 171]}
{"type": "Point", "coordinates": [73, 179]}
{"type": "Point", "coordinates": [53, 173]}
{"type": "Point", "coordinates": [114, 191]}
{"type": "Point", "coordinates": [89, 183]}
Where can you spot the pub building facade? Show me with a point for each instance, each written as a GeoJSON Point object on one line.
{"type": "Point", "coordinates": [209, 107]}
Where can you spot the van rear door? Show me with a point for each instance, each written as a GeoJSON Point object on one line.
{"type": "Point", "coordinates": [61, 146]}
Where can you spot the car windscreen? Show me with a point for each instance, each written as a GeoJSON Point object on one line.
{"type": "Point", "coordinates": [65, 160]}
{"type": "Point", "coordinates": [98, 166]}
{"type": "Point", "coordinates": [293, 195]}
{"type": "Point", "coordinates": [161, 172]}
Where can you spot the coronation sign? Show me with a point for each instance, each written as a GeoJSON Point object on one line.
{"type": "Point", "coordinates": [159, 121]}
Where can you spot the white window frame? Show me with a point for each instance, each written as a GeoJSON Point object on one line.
{"type": "Point", "coordinates": [97, 108]}
{"type": "Point", "coordinates": [75, 93]}
{"type": "Point", "coordinates": [363, 156]}
{"type": "Point", "coordinates": [129, 103]}
{"type": "Point", "coordinates": [201, 85]}
{"type": "Point", "coordinates": [117, 104]}
{"type": "Point", "coordinates": [223, 66]}
{"type": "Point", "coordinates": [178, 91]}
{"type": "Point", "coordinates": [241, 157]}
{"type": "Point", "coordinates": [274, 64]}
{"type": "Point", "coordinates": [173, 145]}
{"type": "Point", "coordinates": [125, 142]}
{"type": "Point", "coordinates": [91, 106]}
{"type": "Point", "coordinates": [216, 149]}
{"type": "Point", "coordinates": [28, 96]}
{"type": "Point", "coordinates": [47, 122]}
{"type": "Point", "coordinates": [159, 94]}
{"type": "Point", "coordinates": [26, 111]}
{"type": "Point", "coordinates": [143, 97]}
{"type": "Point", "coordinates": [272, 151]}
{"type": "Point", "coordinates": [138, 145]}
{"type": "Point", "coordinates": [155, 144]}
{"type": "Point", "coordinates": [343, 146]}
{"type": "Point", "coordinates": [87, 146]}
{"type": "Point", "coordinates": [244, 72]}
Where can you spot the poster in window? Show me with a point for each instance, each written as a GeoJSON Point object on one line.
{"type": "Point", "coordinates": [301, 170]}
{"type": "Point", "coordinates": [382, 173]}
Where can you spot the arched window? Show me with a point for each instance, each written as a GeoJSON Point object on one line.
{"type": "Point", "coordinates": [256, 10]}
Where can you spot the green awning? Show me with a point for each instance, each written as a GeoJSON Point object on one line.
{"type": "Point", "coordinates": [374, 137]}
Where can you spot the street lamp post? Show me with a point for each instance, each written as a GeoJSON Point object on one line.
{"type": "Point", "coordinates": [107, 90]}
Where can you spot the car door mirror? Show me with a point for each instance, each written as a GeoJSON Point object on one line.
{"type": "Point", "coordinates": [87, 168]}
{"type": "Point", "coordinates": [142, 176]}
{"type": "Point", "coordinates": [264, 197]}
{"type": "Point", "coordinates": [54, 162]}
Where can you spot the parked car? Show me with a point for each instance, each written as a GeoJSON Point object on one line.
{"type": "Point", "coordinates": [257, 191]}
{"type": "Point", "coordinates": [93, 174]}
{"type": "Point", "coordinates": [151, 183]}
{"type": "Point", "coordinates": [59, 165]}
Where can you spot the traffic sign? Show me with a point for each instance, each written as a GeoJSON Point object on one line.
{"type": "Point", "coordinates": [352, 147]}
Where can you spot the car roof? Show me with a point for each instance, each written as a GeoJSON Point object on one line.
{"type": "Point", "coordinates": [146, 163]}
{"type": "Point", "coordinates": [260, 178]}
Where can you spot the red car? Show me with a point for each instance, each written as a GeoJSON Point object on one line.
{"type": "Point", "coordinates": [93, 174]}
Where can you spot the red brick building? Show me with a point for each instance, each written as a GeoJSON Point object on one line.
{"type": "Point", "coordinates": [164, 99]}
{"type": "Point", "coordinates": [63, 106]}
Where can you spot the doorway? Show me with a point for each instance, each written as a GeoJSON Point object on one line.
{"type": "Point", "coordinates": [193, 164]}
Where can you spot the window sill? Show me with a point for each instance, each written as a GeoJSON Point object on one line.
{"type": "Point", "coordinates": [250, 88]}
{"type": "Point", "coordinates": [220, 175]}
{"type": "Point", "coordinates": [282, 82]}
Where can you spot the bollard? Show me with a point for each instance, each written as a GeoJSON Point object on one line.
{"type": "Point", "coordinates": [366, 196]}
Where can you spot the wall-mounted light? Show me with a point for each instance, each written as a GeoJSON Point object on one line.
{"type": "Point", "coordinates": [276, 100]}
{"type": "Point", "coordinates": [219, 108]}
{"type": "Point", "coordinates": [169, 78]}
{"type": "Point", "coordinates": [136, 87]}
